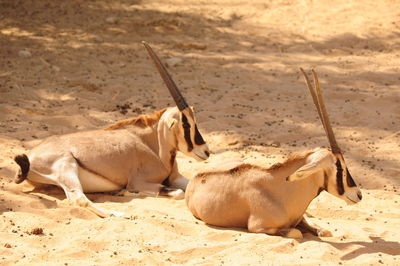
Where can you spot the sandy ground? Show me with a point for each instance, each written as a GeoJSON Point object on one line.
{"type": "Point", "coordinates": [66, 65]}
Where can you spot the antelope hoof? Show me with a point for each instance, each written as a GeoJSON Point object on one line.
{"type": "Point", "coordinates": [118, 214]}
{"type": "Point", "coordinates": [324, 233]}
{"type": "Point", "coordinates": [177, 194]}
{"type": "Point", "coordinates": [291, 233]}
{"type": "Point", "coordinates": [81, 202]}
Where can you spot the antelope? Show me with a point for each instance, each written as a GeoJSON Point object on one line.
{"type": "Point", "coordinates": [273, 200]}
{"type": "Point", "coordinates": [136, 154]}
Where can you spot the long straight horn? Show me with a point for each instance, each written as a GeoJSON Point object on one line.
{"type": "Point", "coordinates": [320, 105]}
{"type": "Point", "coordinates": [314, 97]}
{"type": "Point", "coordinates": [173, 89]}
{"type": "Point", "coordinates": [332, 140]}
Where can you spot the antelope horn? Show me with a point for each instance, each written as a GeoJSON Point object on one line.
{"type": "Point", "coordinates": [173, 89]}
{"type": "Point", "coordinates": [314, 97]}
{"type": "Point", "coordinates": [320, 105]}
{"type": "Point", "coordinates": [328, 127]}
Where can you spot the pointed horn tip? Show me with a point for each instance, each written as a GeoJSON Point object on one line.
{"type": "Point", "coordinates": [302, 70]}
{"type": "Point", "coordinates": [304, 73]}
{"type": "Point", "coordinates": [146, 45]}
{"type": "Point", "coordinates": [305, 76]}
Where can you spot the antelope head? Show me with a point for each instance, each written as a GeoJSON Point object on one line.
{"type": "Point", "coordinates": [337, 178]}
{"type": "Point", "coordinates": [181, 121]}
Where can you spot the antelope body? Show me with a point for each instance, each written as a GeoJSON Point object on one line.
{"type": "Point", "coordinates": [273, 200]}
{"type": "Point", "coordinates": [137, 154]}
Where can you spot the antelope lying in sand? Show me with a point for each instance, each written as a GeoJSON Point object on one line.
{"type": "Point", "coordinates": [273, 200]}
{"type": "Point", "coordinates": [137, 154]}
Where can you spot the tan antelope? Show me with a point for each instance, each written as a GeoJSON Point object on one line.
{"type": "Point", "coordinates": [136, 154]}
{"type": "Point", "coordinates": [273, 200]}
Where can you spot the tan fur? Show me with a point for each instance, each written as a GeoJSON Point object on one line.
{"type": "Point", "coordinates": [140, 121]}
{"type": "Point", "coordinates": [273, 200]}
{"type": "Point", "coordinates": [242, 167]}
{"type": "Point", "coordinates": [137, 154]}
{"type": "Point", "coordinates": [261, 199]}
{"type": "Point", "coordinates": [290, 159]}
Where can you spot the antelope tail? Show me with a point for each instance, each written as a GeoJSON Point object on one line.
{"type": "Point", "coordinates": [23, 162]}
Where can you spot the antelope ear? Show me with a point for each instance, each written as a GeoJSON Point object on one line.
{"type": "Point", "coordinates": [304, 172]}
{"type": "Point", "coordinates": [319, 159]}
{"type": "Point", "coordinates": [171, 122]}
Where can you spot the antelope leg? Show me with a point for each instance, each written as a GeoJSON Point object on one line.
{"type": "Point", "coordinates": [305, 227]}
{"type": "Point", "coordinates": [66, 172]}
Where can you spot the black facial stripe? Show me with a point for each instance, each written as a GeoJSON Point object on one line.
{"type": "Point", "coordinates": [339, 177]}
{"type": "Point", "coordinates": [198, 139]}
{"type": "Point", "coordinates": [185, 122]}
{"type": "Point", "coordinates": [325, 186]}
{"type": "Point", "coordinates": [186, 131]}
{"type": "Point", "coordinates": [350, 180]}
{"type": "Point", "coordinates": [326, 177]}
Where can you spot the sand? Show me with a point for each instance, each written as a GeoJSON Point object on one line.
{"type": "Point", "coordinates": [69, 66]}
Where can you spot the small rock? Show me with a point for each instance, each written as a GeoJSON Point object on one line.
{"type": "Point", "coordinates": [37, 231]}
{"type": "Point", "coordinates": [275, 144]}
{"type": "Point", "coordinates": [112, 20]}
{"type": "Point", "coordinates": [173, 61]}
{"type": "Point", "coordinates": [24, 53]}
{"type": "Point", "coordinates": [56, 68]}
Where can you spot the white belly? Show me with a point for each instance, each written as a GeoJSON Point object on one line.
{"type": "Point", "coordinates": [94, 183]}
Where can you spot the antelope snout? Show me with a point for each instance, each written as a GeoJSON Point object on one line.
{"type": "Point", "coordinates": [353, 196]}
{"type": "Point", "coordinates": [202, 153]}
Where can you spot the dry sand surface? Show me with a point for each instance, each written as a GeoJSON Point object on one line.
{"type": "Point", "coordinates": [66, 65]}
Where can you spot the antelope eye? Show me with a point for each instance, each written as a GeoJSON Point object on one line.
{"type": "Point", "coordinates": [186, 125]}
